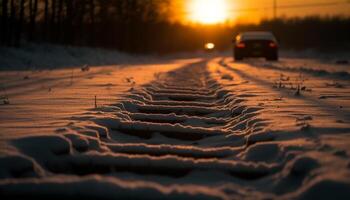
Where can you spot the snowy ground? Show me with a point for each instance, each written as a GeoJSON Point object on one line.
{"type": "Point", "coordinates": [199, 128]}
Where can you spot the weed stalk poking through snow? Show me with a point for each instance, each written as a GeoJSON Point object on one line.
{"type": "Point", "coordinates": [71, 77]}
{"type": "Point", "coordinates": [300, 84]}
{"type": "Point", "coordinates": [5, 98]}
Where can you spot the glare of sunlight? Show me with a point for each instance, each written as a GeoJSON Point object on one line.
{"type": "Point", "coordinates": [208, 11]}
{"type": "Point", "coordinates": [209, 46]}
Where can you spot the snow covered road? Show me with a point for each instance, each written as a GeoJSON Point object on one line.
{"type": "Point", "coordinates": [189, 129]}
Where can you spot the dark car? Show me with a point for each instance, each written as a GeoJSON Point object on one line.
{"type": "Point", "coordinates": [255, 44]}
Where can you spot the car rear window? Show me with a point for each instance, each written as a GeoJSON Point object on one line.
{"type": "Point", "coordinates": [257, 36]}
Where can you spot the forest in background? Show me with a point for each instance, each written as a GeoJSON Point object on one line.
{"type": "Point", "coordinates": [141, 27]}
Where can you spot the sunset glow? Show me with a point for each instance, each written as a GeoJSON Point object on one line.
{"type": "Point", "coordinates": [252, 11]}
{"type": "Point", "coordinates": [208, 11]}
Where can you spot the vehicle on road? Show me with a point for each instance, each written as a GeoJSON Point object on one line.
{"type": "Point", "coordinates": [255, 44]}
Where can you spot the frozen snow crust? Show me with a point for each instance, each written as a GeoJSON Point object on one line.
{"type": "Point", "coordinates": [186, 135]}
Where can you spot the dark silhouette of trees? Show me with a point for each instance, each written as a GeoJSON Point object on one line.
{"type": "Point", "coordinates": [143, 26]}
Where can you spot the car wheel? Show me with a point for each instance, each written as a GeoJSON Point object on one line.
{"type": "Point", "coordinates": [273, 57]}
{"type": "Point", "coordinates": [237, 57]}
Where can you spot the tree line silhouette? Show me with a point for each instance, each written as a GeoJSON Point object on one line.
{"type": "Point", "coordinates": [143, 26]}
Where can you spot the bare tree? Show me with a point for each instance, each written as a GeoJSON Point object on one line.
{"type": "Point", "coordinates": [53, 32]}
{"type": "Point", "coordinates": [92, 31]}
{"type": "Point", "coordinates": [68, 37]}
{"type": "Point", "coordinates": [59, 21]}
{"type": "Point", "coordinates": [81, 9]}
{"type": "Point", "coordinates": [45, 26]}
{"type": "Point", "coordinates": [12, 24]}
{"type": "Point", "coordinates": [4, 16]}
{"type": "Point", "coordinates": [20, 23]}
{"type": "Point", "coordinates": [33, 8]}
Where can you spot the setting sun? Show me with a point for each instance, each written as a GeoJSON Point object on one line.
{"type": "Point", "coordinates": [208, 11]}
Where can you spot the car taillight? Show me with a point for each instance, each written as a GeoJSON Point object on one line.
{"type": "Point", "coordinates": [272, 45]}
{"type": "Point", "coordinates": [240, 45]}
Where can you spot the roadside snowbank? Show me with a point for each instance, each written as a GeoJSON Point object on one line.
{"type": "Point", "coordinates": [43, 56]}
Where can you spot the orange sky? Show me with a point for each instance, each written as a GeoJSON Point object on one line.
{"type": "Point", "coordinates": [254, 10]}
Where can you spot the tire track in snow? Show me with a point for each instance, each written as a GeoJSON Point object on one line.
{"type": "Point", "coordinates": [185, 104]}
{"type": "Point", "coordinates": [182, 124]}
